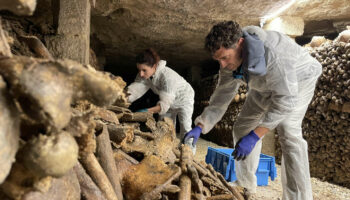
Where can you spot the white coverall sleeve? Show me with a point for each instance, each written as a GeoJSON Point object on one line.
{"type": "Point", "coordinates": [221, 98]}
{"type": "Point", "coordinates": [282, 81]}
{"type": "Point", "coordinates": [137, 89]}
{"type": "Point", "coordinates": [166, 93]}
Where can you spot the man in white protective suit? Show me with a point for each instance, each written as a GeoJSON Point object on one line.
{"type": "Point", "coordinates": [281, 78]}
{"type": "Point", "coordinates": [176, 96]}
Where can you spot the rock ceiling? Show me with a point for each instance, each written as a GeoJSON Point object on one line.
{"type": "Point", "coordinates": [176, 28]}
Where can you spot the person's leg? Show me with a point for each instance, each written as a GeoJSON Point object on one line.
{"type": "Point", "coordinates": [185, 121]}
{"type": "Point", "coordinates": [295, 163]}
{"type": "Point", "coordinates": [248, 119]}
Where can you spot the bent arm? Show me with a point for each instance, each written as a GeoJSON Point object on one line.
{"type": "Point", "coordinates": [137, 89]}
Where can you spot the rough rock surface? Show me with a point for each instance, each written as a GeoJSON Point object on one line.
{"type": "Point", "coordinates": [19, 7]}
{"type": "Point", "coordinates": [177, 28]}
{"type": "Point", "coordinates": [9, 131]}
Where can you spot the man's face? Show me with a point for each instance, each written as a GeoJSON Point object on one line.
{"type": "Point", "coordinates": [230, 58]}
{"type": "Point", "coordinates": [146, 71]}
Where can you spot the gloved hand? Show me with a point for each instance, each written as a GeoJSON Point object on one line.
{"type": "Point", "coordinates": [194, 133]}
{"type": "Point", "coordinates": [245, 145]}
{"type": "Point", "coordinates": [142, 110]}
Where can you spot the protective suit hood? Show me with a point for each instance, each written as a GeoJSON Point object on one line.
{"type": "Point", "coordinates": [253, 55]}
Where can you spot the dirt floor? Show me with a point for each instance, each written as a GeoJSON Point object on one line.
{"type": "Point", "coordinates": [273, 191]}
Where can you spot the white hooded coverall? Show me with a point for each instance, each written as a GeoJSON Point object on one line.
{"type": "Point", "coordinates": [175, 93]}
{"type": "Point", "coordinates": [278, 99]}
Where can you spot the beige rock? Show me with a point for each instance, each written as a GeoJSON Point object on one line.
{"type": "Point", "coordinates": [19, 7]}
{"type": "Point", "coordinates": [9, 131]}
{"type": "Point", "coordinates": [344, 36]}
{"type": "Point", "coordinates": [178, 28]}
{"type": "Point", "coordinates": [316, 41]}
{"type": "Point", "coordinates": [292, 26]}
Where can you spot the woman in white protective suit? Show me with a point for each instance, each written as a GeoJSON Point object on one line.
{"type": "Point", "coordinates": [175, 93]}
{"type": "Point", "coordinates": [281, 79]}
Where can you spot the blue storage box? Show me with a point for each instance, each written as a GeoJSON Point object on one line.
{"type": "Point", "coordinates": [224, 163]}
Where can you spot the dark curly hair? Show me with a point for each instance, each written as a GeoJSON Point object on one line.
{"type": "Point", "coordinates": [224, 34]}
{"type": "Point", "coordinates": [148, 57]}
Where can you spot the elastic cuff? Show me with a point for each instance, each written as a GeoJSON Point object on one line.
{"type": "Point", "coordinates": [199, 128]}
{"type": "Point", "coordinates": [254, 135]}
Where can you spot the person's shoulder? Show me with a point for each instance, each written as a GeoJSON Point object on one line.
{"type": "Point", "coordinates": [166, 74]}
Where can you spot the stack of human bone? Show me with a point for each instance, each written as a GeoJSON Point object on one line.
{"type": "Point", "coordinates": [66, 133]}
{"type": "Point", "coordinates": [222, 131]}
{"type": "Point", "coordinates": [326, 126]}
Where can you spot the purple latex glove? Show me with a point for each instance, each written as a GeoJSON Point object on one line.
{"type": "Point", "coordinates": [194, 133]}
{"type": "Point", "coordinates": [245, 145]}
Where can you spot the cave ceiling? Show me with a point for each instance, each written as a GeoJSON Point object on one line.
{"type": "Point", "coordinates": [177, 28]}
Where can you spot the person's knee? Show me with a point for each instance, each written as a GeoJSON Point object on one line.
{"type": "Point", "coordinates": [291, 142]}
{"type": "Point", "coordinates": [289, 128]}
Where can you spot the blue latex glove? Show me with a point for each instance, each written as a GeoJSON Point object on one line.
{"type": "Point", "coordinates": [194, 133]}
{"type": "Point", "coordinates": [245, 145]}
{"type": "Point", "coordinates": [142, 110]}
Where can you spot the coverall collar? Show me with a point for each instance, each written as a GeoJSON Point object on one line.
{"type": "Point", "coordinates": [160, 67]}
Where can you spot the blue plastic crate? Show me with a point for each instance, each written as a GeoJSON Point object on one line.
{"type": "Point", "coordinates": [262, 177]}
{"type": "Point", "coordinates": [224, 163]}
